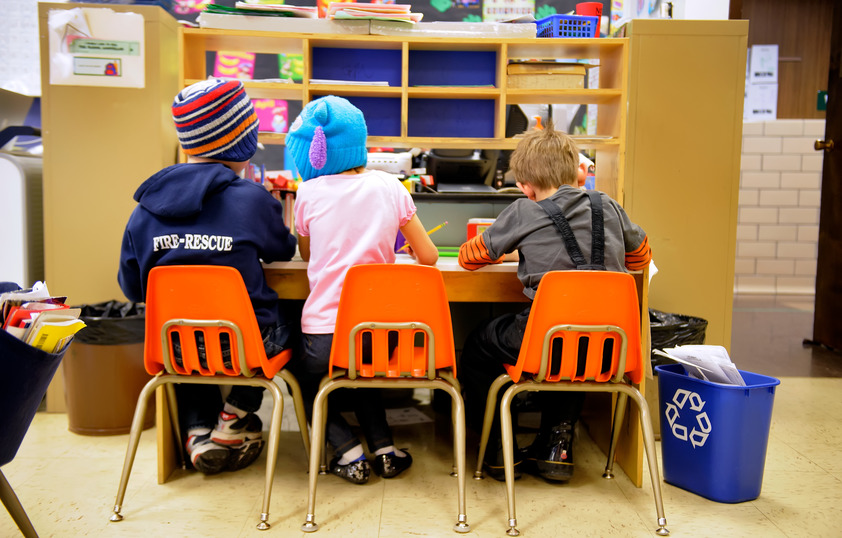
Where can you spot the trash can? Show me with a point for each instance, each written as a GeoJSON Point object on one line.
{"type": "Point", "coordinates": [714, 436]}
{"type": "Point", "coordinates": [669, 330]}
{"type": "Point", "coordinates": [104, 371]}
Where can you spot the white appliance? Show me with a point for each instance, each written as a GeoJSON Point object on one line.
{"type": "Point", "coordinates": [22, 229]}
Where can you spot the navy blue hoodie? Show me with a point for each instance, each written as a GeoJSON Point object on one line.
{"type": "Point", "coordinates": [204, 214]}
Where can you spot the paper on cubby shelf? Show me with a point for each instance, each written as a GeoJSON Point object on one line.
{"type": "Point", "coordinates": [709, 363]}
{"type": "Point", "coordinates": [309, 12]}
{"type": "Point", "coordinates": [453, 29]}
{"type": "Point", "coordinates": [282, 24]}
{"type": "Point", "coordinates": [349, 82]}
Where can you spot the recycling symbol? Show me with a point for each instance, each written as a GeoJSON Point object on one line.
{"type": "Point", "coordinates": [694, 402]}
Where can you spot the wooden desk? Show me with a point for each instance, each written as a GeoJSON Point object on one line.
{"type": "Point", "coordinates": [499, 284]}
{"type": "Point", "coordinates": [492, 284]}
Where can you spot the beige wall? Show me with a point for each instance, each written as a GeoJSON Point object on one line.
{"type": "Point", "coordinates": [778, 221]}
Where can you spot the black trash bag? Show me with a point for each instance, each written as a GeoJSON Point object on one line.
{"type": "Point", "coordinates": [671, 330]}
{"type": "Point", "coordinates": [112, 323]}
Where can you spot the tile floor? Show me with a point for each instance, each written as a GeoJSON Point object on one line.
{"type": "Point", "coordinates": [67, 482]}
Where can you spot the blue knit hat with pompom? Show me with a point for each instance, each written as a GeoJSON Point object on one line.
{"type": "Point", "coordinates": [328, 137]}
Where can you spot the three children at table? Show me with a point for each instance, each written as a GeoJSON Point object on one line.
{"type": "Point", "coordinates": [345, 215]}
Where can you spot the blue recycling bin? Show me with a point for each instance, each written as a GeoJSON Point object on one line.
{"type": "Point", "coordinates": [714, 436]}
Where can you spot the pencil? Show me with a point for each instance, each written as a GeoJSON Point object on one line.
{"type": "Point", "coordinates": [437, 228]}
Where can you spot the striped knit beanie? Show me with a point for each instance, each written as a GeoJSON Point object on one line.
{"type": "Point", "coordinates": [215, 119]}
{"type": "Point", "coordinates": [328, 137]}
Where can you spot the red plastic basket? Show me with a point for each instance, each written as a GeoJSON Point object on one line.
{"type": "Point", "coordinates": [567, 26]}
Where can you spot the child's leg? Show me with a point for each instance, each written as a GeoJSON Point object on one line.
{"type": "Point", "coordinates": [388, 460]}
{"type": "Point", "coordinates": [309, 368]}
{"type": "Point", "coordinates": [198, 406]}
{"type": "Point", "coordinates": [239, 428]}
{"type": "Point", "coordinates": [486, 350]}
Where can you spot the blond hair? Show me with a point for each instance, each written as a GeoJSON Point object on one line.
{"type": "Point", "coordinates": [545, 159]}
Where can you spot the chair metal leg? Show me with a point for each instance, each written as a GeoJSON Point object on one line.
{"type": "Point", "coordinates": [651, 457]}
{"type": "Point", "coordinates": [454, 470]}
{"type": "Point", "coordinates": [15, 508]}
{"type": "Point", "coordinates": [316, 447]}
{"type": "Point", "coordinates": [459, 436]}
{"type": "Point", "coordinates": [509, 455]}
{"type": "Point", "coordinates": [616, 427]}
{"type": "Point", "coordinates": [272, 453]}
{"type": "Point", "coordinates": [488, 418]}
{"type": "Point", "coordinates": [298, 404]}
{"type": "Point", "coordinates": [134, 439]}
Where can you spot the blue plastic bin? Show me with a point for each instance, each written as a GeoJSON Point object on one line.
{"type": "Point", "coordinates": [567, 26]}
{"type": "Point", "coordinates": [714, 436]}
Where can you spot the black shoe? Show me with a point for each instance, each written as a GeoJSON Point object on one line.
{"type": "Point", "coordinates": [391, 465]}
{"type": "Point", "coordinates": [551, 455]}
{"type": "Point", "coordinates": [492, 464]}
{"type": "Point", "coordinates": [356, 472]}
{"type": "Point", "coordinates": [245, 454]}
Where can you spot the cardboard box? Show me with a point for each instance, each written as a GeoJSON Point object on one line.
{"type": "Point", "coordinates": [546, 75]}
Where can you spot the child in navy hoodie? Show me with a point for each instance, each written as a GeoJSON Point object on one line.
{"type": "Point", "coordinates": [203, 213]}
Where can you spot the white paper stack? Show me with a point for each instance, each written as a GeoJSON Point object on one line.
{"type": "Point", "coordinates": [708, 363]}
{"type": "Point", "coordinates": [282, 24]}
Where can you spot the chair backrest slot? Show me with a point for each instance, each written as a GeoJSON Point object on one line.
{"type": "Point", "coordinates": [403, 307]}
{"type": "Point", "coordinates": [207, 312]}
{"type": "Point", "coordinates": [583, 326]}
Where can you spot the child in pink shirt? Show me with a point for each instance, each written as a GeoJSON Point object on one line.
{"type": "Point", "coordinates": [346, 215]}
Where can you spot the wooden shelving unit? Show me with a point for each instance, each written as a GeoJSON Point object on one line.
{"type": "Point", "coordinates": [441, 92]}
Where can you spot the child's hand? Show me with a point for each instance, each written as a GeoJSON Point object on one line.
{"type": "Point", "coordinates": [408, 250]}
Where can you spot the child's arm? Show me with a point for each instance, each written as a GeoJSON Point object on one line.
{"type": "Point", "coordinates": [129, 273]}
{"type": "Point", "coordinates": [420, 243]}
{"type": "Point", "coordinates": [473, 254]}
{"type": "Point", "coordinates": [304, 247]}
{"type": "Point", "coordinates": [639, 258]}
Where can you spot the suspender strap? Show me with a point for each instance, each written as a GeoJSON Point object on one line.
{"type": "Point", "coordinates": [566, 233]}
{"type": "Point", "coordinates": [597, 232]}
{"type": "Point", "coordinates": [597, 229]}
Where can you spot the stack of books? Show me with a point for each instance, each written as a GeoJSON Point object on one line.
{"type": "Point", "coordinates": [41, 320]}
{"type": "Point", "coordinates": [381, 12]}
{"type": "Point", "coordinates": [255, 7]}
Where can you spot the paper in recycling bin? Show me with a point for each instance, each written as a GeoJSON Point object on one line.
{"type": "Point", "coordinates": [708, 363]}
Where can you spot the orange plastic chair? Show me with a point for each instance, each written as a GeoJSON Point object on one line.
{"type": "Point", "coordinates": [573, 307]}
{"type": "Point", "coordinates": [379, 300]}
{"type": "Point", "coordinates": [182, 300]}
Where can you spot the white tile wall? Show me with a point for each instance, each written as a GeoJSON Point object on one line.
{"type": "Point", "coordinates": [778, 221]}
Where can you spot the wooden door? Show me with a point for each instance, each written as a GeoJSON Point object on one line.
{"type": "Point", "coordinates": [827, 320]}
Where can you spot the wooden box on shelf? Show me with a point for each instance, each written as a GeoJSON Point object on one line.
{"type": "Point", "coordinates": [546, 75]}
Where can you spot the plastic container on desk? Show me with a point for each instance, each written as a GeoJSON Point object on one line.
{"type": "Point", "coordinates": [714, 436]}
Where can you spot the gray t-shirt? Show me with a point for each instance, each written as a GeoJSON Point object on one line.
{"type": "Point", "coordinates": [526, 227]}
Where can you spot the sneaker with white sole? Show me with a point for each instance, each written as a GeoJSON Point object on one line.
{"type": "Point", "coordinates": [205, 455]}
{"type": "Point", "coordinates": [244, 437]}
{"type": "Point", "coordinates": [232, 430]}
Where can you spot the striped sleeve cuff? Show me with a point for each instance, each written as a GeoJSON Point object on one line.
{"type": "Point", "coordinates": [473, 254]}
{"type": "Point", "coordinates": [640, 257]}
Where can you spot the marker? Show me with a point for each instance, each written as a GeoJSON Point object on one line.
{"type": "Point", "coordinates": [437, 228]}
